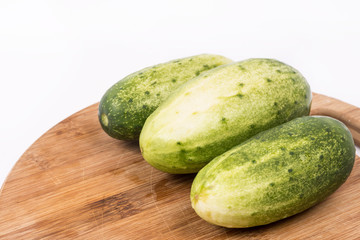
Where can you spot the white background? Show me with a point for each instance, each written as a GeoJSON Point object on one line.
{"type": "Point", "coordinates": [57, 57]}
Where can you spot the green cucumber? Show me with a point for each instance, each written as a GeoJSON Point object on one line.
{"type": "Point", "coordinates": [219, 109]}
{"type": "Point", "coordinates": [125, 106]}
{"type": "Point", "coordinates": [275, 174]}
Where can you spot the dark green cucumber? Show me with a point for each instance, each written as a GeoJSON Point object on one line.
{"type": "Point", "coordinates": [126, 105]}
{"type": "Point", "coordinates": [276, 174]}
{"type": "Point", "coordinates": [219, 109]}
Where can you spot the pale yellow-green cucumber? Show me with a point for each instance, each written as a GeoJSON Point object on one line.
{"type": "Point", "coordinates": [219, 109]}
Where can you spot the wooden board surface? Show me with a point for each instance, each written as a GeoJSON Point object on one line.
{"type": "Point", "coordinates": [75, 182]}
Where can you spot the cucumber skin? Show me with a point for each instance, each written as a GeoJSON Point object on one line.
{"type": "Point", "coordinates": [276, 174]}
{"type": "Point", "coordinates": [219, 109]}
{"type": "Point", "coordinates": [125, 106]}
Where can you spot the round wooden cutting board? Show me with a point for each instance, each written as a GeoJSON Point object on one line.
{"type": "Point", "coordinates": [75, 182]}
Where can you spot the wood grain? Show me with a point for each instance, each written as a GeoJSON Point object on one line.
{"type": "Point", "coordinates": [75, 182]}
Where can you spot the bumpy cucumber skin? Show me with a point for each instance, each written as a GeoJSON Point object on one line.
{"type": "Point", "coordinates": [276, 174]}
{"type": "Point", "coordinates": [219, 109]}
{"type": "Point", "coordinates": [125, 106]}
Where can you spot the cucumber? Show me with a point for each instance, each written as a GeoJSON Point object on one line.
{"type": "Point", "coordinates": [275, 174]}
{"type": "Point", "coordinates": [219, 109]}
{"type": "Point", "coordinates": [125, 106]}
